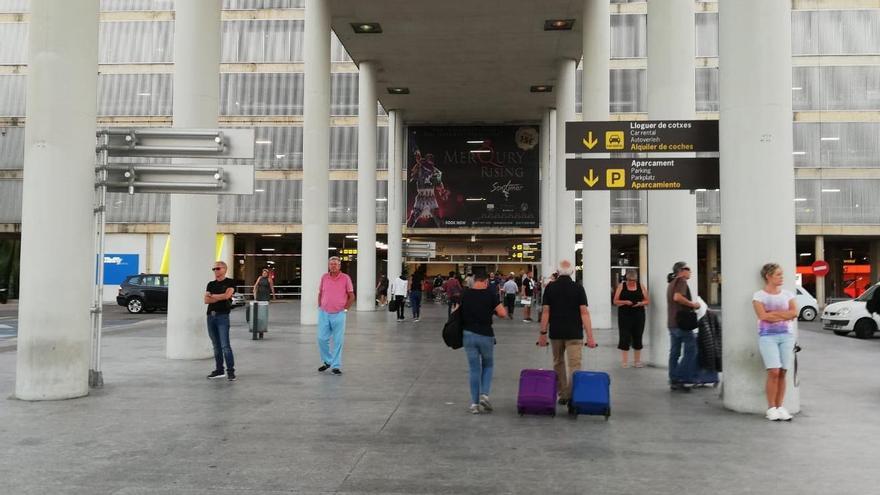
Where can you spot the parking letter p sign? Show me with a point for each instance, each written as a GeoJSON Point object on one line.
{"type": "Point", "coordinates": [615, 178]}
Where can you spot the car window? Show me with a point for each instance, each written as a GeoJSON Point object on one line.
{"type": "Point", "coordinates": [164, 280]}
{"type": "Point", "coordinates": [799, 291]}
{"type": "Point", "coordinates": [150, 281]}
{"type": "Point", "coordinates": [134, 281]}
{"type": "Point", "coordinates": [867, 295]}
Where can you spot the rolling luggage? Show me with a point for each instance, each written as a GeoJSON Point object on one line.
{"type": "Point", "coordinates": [537, 392]}
{"type": "Point", "coordinates": [590, 393]}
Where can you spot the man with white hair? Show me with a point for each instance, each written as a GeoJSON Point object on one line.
{"type": "Point", "coordinates": [335, 296]}
{"type": "Point", "coordinates": [565, 317]}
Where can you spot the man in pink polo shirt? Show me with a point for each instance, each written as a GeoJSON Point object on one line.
{"type": "Point", "coordinates": [335, 295]}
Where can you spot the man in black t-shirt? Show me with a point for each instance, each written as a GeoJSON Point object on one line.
{"type": "Point", "coordinates": [218, 297]}
{"type": "Point", "coordinates": [528, 291]}
{"type": "Point", "coordinates": [565, 317]}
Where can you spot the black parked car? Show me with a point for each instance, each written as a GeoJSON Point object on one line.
{"type": "Point", "coordinates": [144, 293]}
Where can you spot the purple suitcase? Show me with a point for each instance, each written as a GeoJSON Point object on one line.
{"type": "Point", "coordinates": [537, 392]}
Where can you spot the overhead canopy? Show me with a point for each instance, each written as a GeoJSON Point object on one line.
{"type": "Point", "coordinates": [464, 61]}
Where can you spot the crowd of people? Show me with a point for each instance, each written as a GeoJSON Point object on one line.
{"type": "Point", "coordinates": [565, 323]}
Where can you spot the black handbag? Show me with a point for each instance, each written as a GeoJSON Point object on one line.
{"type": "Point", "coordinates": [392, 305]}
{"type": "Point", "coordinates": [453, 330]}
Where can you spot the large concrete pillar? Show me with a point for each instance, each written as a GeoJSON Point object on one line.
{"type": "Point", "coordinates": [757, 181]}
{"type": "Point", "coordinates": [597, 204]}
{"type": "Point", "coordinates": [819, 254]}
{"type": "Point", "coordinates": [53, 345]}
{"type": "Point", "coordinates": [548, 190]}
{"type": "Point", "coordinates": [565, 231]}
{"type": "Point", "coordinates": [395, 194]}
{"type": "Point", "coordinates": [672, 215]}
{"type": "Point", "coordinates": [643, 259]}
{"type": "Point", "coordinates": [193, 217]}
{"type": "Point", "coordinates": [366, 194]}
{"type": "Point", "coordinates": [316, 156]}
{"type": "Point", "coordinates": [712, 268]}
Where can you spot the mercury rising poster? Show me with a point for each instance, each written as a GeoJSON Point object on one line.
{"type": "Point", "coordinates": [472, 177]}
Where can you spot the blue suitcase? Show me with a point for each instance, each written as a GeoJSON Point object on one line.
{"type": "Point", "coordinates": [590, 394]}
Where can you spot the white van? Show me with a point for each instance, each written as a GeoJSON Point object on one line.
{"type": "Point", "coordinates": [851, 316]}
{"type": "Point", "coordinates": [808, 306]}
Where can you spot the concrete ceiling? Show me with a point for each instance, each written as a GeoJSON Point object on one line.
{"type": "Point", "coordinates": [464, 61]}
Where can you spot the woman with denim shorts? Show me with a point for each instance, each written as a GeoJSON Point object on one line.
{"type": "Point", "coordinates": [776, 310]}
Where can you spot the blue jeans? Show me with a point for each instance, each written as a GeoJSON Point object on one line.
{"type": "Point", "coordinates": [415, 298]}
{"type": "Point", "coordinates": [331, 325]}
{"type": "Point", "coordinates": [480, 350]}
{"type": "Point", "coordinates": [218, 330]}
{"type": "Point", "coordinates": [683, 370]}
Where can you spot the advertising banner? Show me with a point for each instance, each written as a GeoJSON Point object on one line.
{"type": "Point", "coordinates": [119, 266]}
{"type": "Point", "coordinates": [472, 176]}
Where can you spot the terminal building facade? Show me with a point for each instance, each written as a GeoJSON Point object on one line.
{"type": "Point", "coordinates": [836, 153]}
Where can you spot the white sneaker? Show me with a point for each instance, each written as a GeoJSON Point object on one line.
{"type": "Point", "coordinates": [484, 401]}
{"type": "Point", "coordinates": [474, 409]}
{"type": "Point", "coordinates": [783, 414]}
{"type": "Point", "coordinates": [773, 414]}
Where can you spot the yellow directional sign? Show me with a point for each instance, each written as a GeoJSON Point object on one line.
{"type": "Point", "coordinates": [590, 142]}
{"type": "Point", "coordinates": [615, 178]}
{"type": "Point", "coordinates": [592, 180]}
{"type": "Point", "coordinates": [614, 140]}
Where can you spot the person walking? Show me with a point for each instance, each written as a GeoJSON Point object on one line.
{"type": "Point", "coordinates": [398, 292]}
{"type": "Point", "coordinates": [335, 296]}
{"type": "Point", "coordinates": [452, 288]}
{"type": "Point", "coordinates": [415, 292]}
{"type": "Point", "coordinates": [528, 293]}
{"type": "Point", "coordinates": [683, 343]}
{"type": "Point", "coordinates": [776, 310]}
{"type": "Point", "coordinates": [565, 318]}
{"type": "Point", "coordinates": [469, 280]}
{"type": "Point", "coordinates": [478, 304]}
{"type": "Point", "coordinates": [631, 297]}
{"type": "Point", "coordinates": [510, 290]}
{"type": "Point", "coordinates": [382, 290]}
{"type": "Point", "coordinates": [264, 288]}
{"type": "Point", "coordinates": [218, 297]}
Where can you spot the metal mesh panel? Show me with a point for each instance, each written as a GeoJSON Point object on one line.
{"type": "Point", "coordinates": [629, 36]}
{"type": "Point", "coordinates": [136, 42]}
{"type": "Point", "coordinates": [707, 34]}
{"type": "Point", "coordinates": [11, 147]}
{"type": "Point", "coordinates": [708, 207]}
{"type": "Point", "coordinates": [835, 32]}
{"type": "Point", "coordinates": [134, 94]}
{"type": "Point", "coordinates": [10, 201]}
{"type": "Point", "coordinates": [13, 42]}
{"type": "Point", "coordinates": [836, 88]}
{"type": "Point", "coordinates": [707, 88]}
{"type": "Point", "coordinates": [13, 93]}
{"type": "Point", "coordinates": [343, 201]}
{"type": "Point", "coordinates": [138, 208]}
{"type": "Point", "coordinates": [279, 41]}
{"type": "Point", "coordinates": [837, 144]}
{"type": "Point", "coordinates": [344, 94]}
{"type": "Point", "coordinates": [273, 202]}
{"type": "Point", "coordinates": [15, 5]}
{"type": "Point", "coordinates": [113, 5]}
{"type": "Point", "coordinates": [261, 94]}
{"type": "Point", "coordinates": [263, 4]}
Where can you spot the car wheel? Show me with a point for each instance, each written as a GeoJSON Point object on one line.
{"type": "Point", "coordinates": [865, 328]}
{"type": "Point", "coordinates": [842, 333]}
{"type": "Point", "coordinates": [808, 313]}
{"type": "Point", "coordinates": [135, 305]}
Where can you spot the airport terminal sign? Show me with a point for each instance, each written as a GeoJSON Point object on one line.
{"type": "Point", "coordinates": [472, 176]}
{"type": "Point", "coordinates": [641, 174]}
{"type": "Point", "coordinates": [649, 136]}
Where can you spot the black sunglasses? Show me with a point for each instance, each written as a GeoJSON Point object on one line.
{"type": "Point", "coordinates": [216, 268]}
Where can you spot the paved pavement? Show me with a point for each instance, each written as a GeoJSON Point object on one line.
{"type": "Point", "coordinates": [396, 422]}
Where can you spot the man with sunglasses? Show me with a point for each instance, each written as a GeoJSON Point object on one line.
{"type": "Point", "coordinates": [218, 297]}
{"type": "Point", "coordinates": [683, 342]}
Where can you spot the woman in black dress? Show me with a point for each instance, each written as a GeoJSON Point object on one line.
{"type": "Point", "coordinates": [631, 297]}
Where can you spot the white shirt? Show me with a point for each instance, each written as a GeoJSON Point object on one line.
{"type": "Point", "coordinates": [510, 287]}
{"type": "Point", "coordinates": [399, 287]}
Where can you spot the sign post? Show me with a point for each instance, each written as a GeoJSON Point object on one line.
{"type": "Point", "coordinates": [820, 268]}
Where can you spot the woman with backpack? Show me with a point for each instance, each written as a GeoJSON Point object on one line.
{"type": "Point", "coordinates": [398, 294]}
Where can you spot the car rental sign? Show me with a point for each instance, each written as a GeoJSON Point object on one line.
{"type": "Point", "coordinates": [648, 136]}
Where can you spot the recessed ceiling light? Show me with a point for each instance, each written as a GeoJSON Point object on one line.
{"type": "Point", "coordinates": [366, 27]}
{"type": "Point", "coordinates": [542, 88]}
{"type": "Point", "coordinates": [262, 141]}
{"type": "Point", "coordinates": [398, 91]}
{"type": "Point", "coordinates": [558, 24]}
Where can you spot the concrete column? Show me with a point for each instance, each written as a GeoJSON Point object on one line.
{"type": "Point", "coordinates": [757, 181]}
{"type": "Point", "coordinates": [597, 204]}
{"type": "Point", "coordinates": [565, 231]}
{"type": "Point", "coordinates": [875, 262]}
{"type": "Point", "coordinates": [395, 194]}
{"type": "Point", "coordinates": [316, 156]}
{"type": "Point", "coordinates": [54, 345]}
{"type": "Point", "coordinates": [366, 215]}
{"type": "Point", "coordinates": [193, 217]}
{"type": "Point", "coordinates": [819, 253]}
{"type": "Point", "coordinates": [672, 215]}
{"type": "Point", "coordinates": [548, 189]}
{"type": "Point", "coordinates": [643, 259]}
{"type": "Point", "coordinates": [711, 269]}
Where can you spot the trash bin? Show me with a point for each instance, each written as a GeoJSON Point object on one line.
{"type": "Point", "coordinates": [258, 318]}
